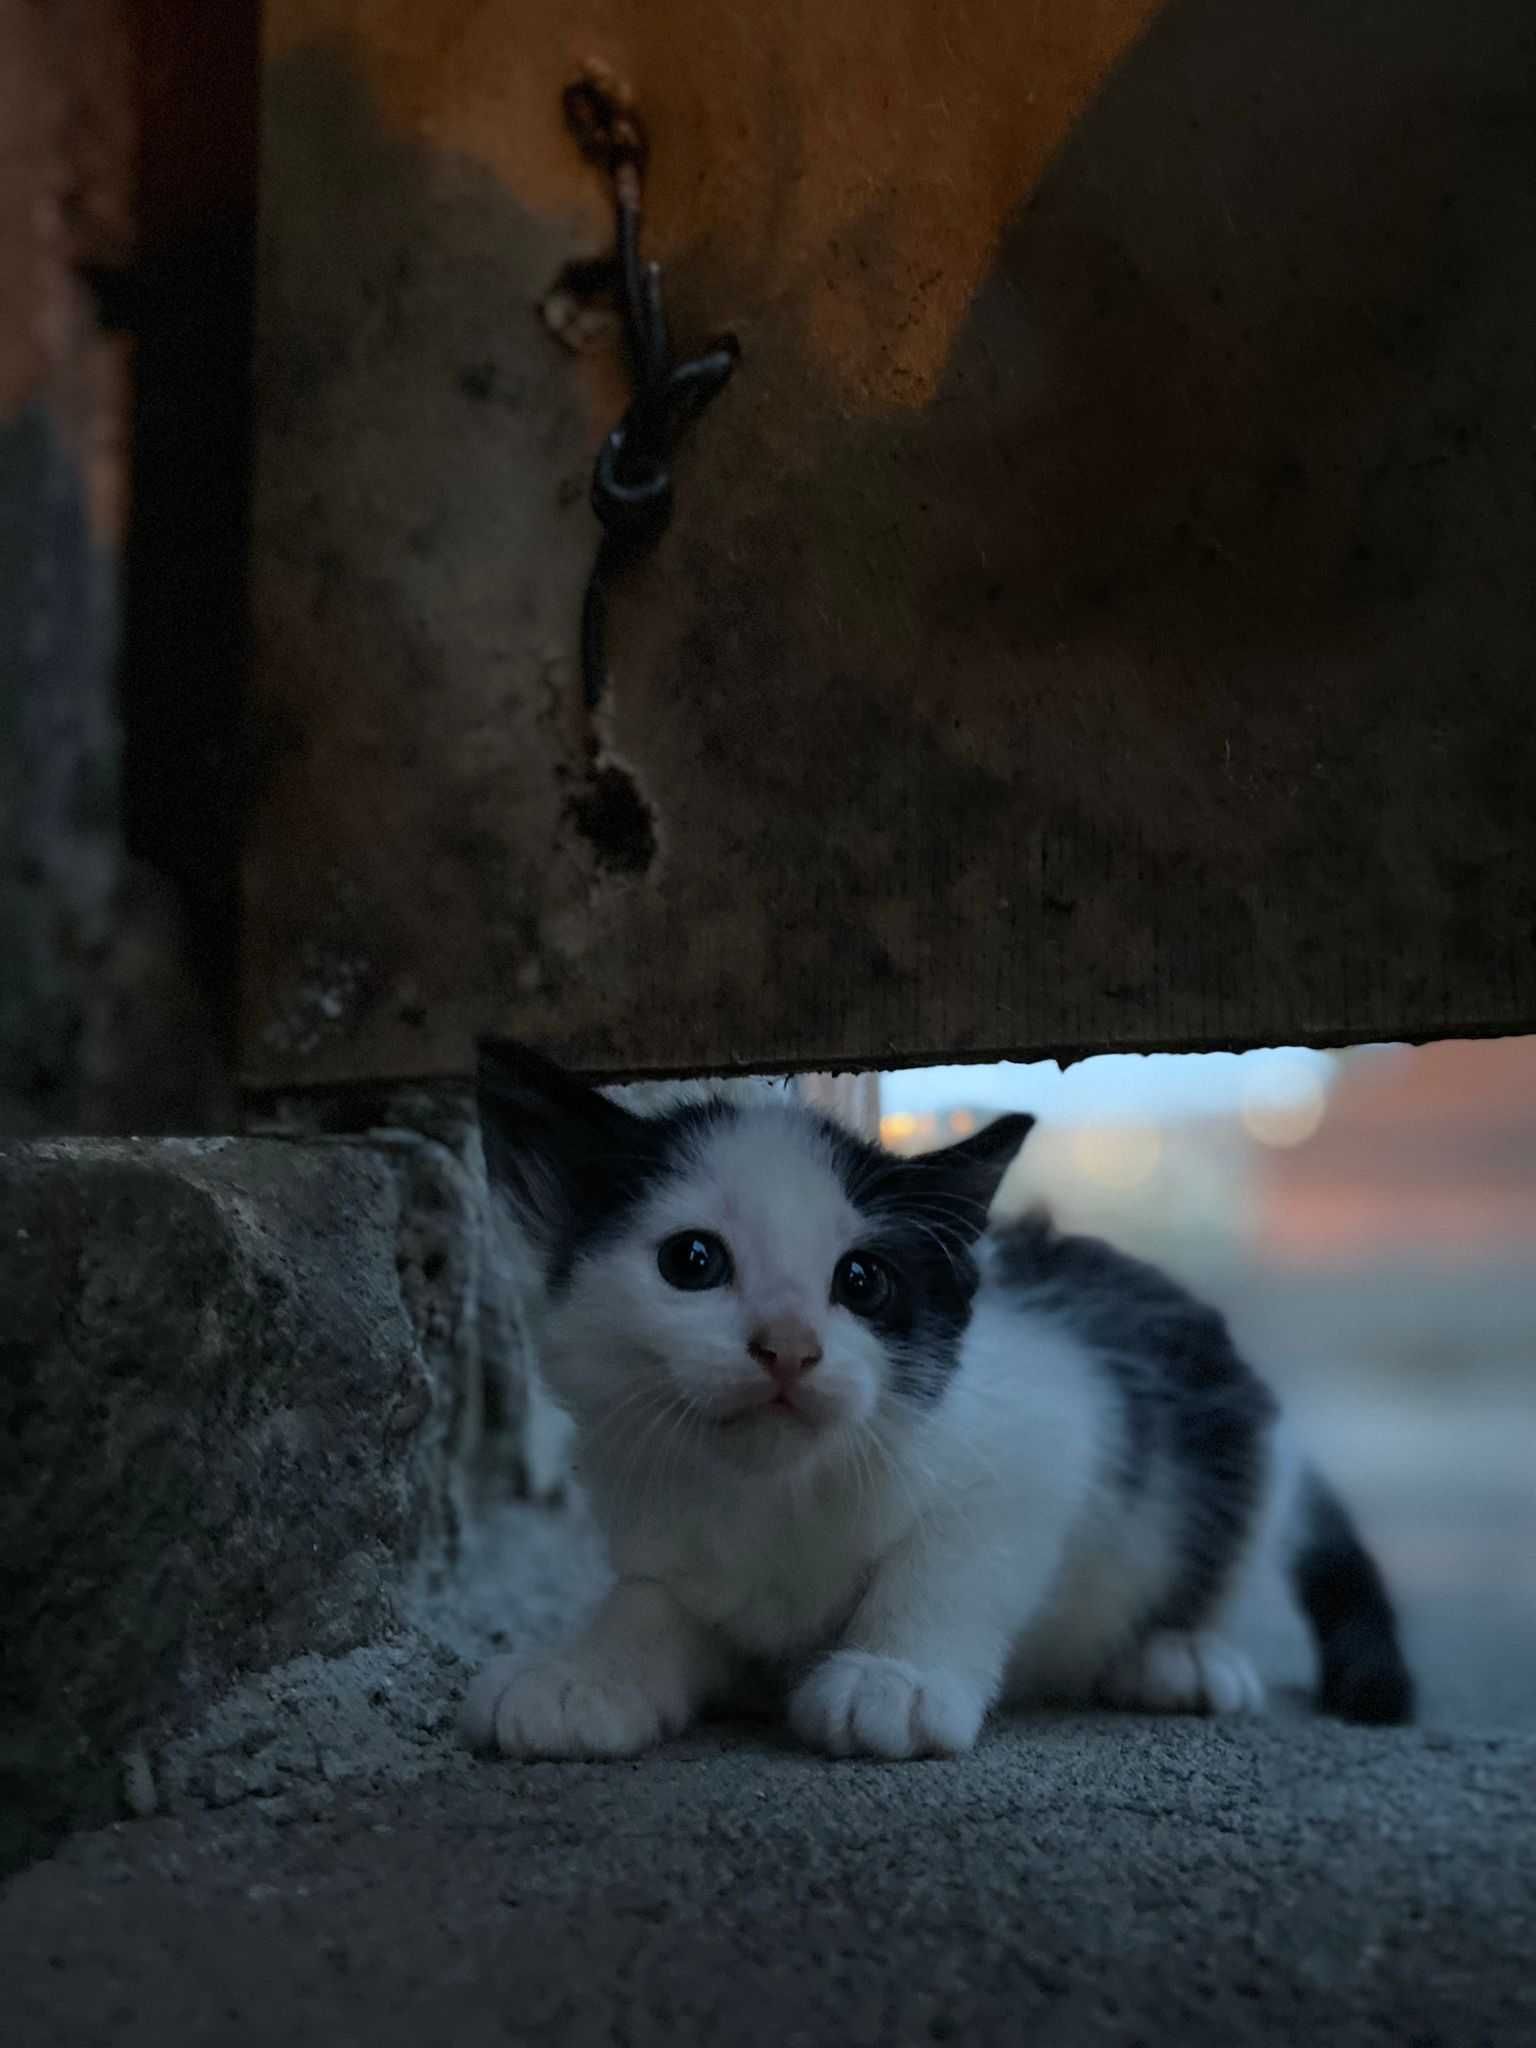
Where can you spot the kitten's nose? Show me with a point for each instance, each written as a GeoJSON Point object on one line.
{"type": "Point", "coordinates": [785, 1348]}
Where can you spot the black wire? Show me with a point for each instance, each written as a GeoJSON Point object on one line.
{"type": "Point", "coordinates": [632, 479]}
{"type": "Point", "coordinates": [691, 385]}
{"type": "Point", "coordinates": [646, 351]}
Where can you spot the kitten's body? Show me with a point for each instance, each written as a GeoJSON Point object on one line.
{"type": "Point", "coordinates": [1036, 1470]}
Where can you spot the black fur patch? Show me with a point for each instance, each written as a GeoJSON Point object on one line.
{"type": "Point", "coordinates": [573, 1164]}
{"type": "Point", "coordinates": [1188, 1400]}
{"type": "Point", "coordinates": [1363, 1673]}
{"type": "Point", "coordinates": [925, 1215]}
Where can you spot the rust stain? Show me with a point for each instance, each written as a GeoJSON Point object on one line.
{"type": "Point", "coordinates": [887, 220]}
{"type": "Point", "coordinates": [65, 206]}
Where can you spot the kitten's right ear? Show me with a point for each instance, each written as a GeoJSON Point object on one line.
{"type": "Point", "coordinates": [551, 1142]}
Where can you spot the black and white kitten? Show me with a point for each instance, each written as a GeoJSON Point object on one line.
{"type": "Point", "coordinates": [834, 1425]}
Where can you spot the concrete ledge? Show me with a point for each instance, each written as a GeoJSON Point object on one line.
{"type": "Point", "coordinates": [232, 1404]}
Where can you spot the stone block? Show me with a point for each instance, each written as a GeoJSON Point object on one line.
{"type": "Point", "coordinates": [232, 1416]}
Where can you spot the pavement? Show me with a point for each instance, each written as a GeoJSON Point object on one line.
{"type": "Point", "coordinates": [327, 1867]}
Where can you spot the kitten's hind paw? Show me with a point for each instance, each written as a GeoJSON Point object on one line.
{"type": "Point", "coordinates": [1175, 1673]}
{"type": "Point", "coordinates": [857, 1704]}
{"type": "Point", "coordinates": [564, 1707]}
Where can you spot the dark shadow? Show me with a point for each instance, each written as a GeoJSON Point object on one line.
{"type": "Point", "coordinates": [188, 301]}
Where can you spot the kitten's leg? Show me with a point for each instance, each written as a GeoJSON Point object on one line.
{"type": "Point", "coordinates": [1174, 1672]}
{"type": "Point", "coordinates": [641, 1673]}
{"type": "Point", "coordinates": [923, 1658]}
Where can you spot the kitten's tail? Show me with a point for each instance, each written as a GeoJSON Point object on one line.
{"type": "Point", "coordinates": [1341, 1590]}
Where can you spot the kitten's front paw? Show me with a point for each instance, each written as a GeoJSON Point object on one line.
{"type": "Point", "coordinates": [565, 1707]}
{"type": "Point", "coordinates": [858, 1704]}
{"type": "Point", "coordinates": [1175, 1673]}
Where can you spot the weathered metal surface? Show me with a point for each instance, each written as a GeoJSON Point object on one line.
{"type": "Point", "coordinates": [1098, 614]}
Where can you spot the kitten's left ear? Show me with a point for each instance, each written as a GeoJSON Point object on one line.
{"type": "Point", "coordinates": [963, 1177]}
{"type": "Point", "coordinates": [981, 1160]}
{"type": "Point", "coordinates": [555, 1148]}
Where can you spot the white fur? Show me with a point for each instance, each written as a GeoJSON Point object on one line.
{"type": "Point", "coordinates": [907, 1563]}
{"type": "Point", "coordinates": [1178, 1673]}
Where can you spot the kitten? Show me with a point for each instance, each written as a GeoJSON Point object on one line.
{"type": "Point", "coordinates": [835, 1426]}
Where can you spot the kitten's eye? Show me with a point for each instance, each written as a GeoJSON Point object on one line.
{"type": "Point", "coordinates": [862, 1284]}
{"type": "Point", "coordinates": [694, 1260]}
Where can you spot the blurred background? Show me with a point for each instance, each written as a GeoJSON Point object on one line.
{"type": "Point", "coordinates": [1367, 1219]}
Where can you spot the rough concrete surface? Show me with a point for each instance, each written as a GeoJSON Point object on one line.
{"type": "Point", "coordinates": [328, 1867]}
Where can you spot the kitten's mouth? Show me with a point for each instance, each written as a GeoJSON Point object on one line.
{"type": "Point", "coordinates": [776, 1404]}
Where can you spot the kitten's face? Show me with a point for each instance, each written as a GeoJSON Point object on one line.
{"type": "Point", "coordinates": [728, 1296]}
{"type": "Point", "coordinates": [745, 1285]}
